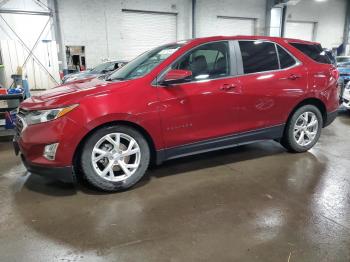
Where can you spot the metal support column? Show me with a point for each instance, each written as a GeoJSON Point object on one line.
{"type": "Point", "coordinates": [283, 22]}
{"type": "Point", "coordinates": [269, 6]}
{"type": "Point", "coordinates": [58, 36]}
{"type": "Point", "coordinates": [346, 27]}
{"type": "Point", "coordinates": [194, 2]}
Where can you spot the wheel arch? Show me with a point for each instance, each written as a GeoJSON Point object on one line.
{"type": "Point", "coordinates": [311, 101]}
{"type": "Point", "coordinates": [139, 128]}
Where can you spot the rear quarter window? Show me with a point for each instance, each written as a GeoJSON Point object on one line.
{"type": "Point", "coordinates": [314, 51]}
{"type": "Point", "coordinates": [286, 60]}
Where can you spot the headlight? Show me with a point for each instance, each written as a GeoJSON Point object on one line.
{"type": "Point", "coordinates": [42, 116]}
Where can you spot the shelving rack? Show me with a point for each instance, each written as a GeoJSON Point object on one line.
{"type": "Point", "coordinates": [3, 131]}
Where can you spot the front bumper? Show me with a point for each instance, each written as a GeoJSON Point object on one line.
{"type": "Point", "coordinates": [64, 174]}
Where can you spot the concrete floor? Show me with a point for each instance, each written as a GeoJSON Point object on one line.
{"type": "Point", "coordinates": [251, 203]}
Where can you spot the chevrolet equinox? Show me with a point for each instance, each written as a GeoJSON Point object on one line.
{"type": "Point", "coordinates": [176, 100]}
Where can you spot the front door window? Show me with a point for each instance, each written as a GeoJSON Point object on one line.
{"type": "Point", "coordinates": [207, 61]}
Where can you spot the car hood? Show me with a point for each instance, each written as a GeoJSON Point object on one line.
{"type": "Point", "coordinates": [69, 94]}
{"type": "Point", "coordinates": [80, 75]}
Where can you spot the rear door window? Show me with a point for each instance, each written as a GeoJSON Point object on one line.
{"type": "Point", "coordinates": [258, 56]}
{"type": "Point", "coordinates": [314, 51]}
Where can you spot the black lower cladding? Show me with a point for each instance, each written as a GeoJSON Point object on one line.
{"type": "Point", "coordinates": [274, 132]}
{"type": "Point", "coordinates": [64, 174]}
{"type": "Point", "coordinates": [331, 116]}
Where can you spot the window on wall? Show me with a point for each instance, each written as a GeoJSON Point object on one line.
{"type": "Point", "coordinates": [207, 61]}
{"type": "Point", "coordinates": [258, 56]}
{"type": "Point", "coordinates": [286, 60]}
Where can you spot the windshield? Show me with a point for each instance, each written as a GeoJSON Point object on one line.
{"type": "Point", "coordinates": [102, 67]}
{"type": "Point", "coordinates": [144, 63]}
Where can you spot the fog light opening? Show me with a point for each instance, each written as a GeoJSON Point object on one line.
{"type": "Point", "coordinates": [50, 151]}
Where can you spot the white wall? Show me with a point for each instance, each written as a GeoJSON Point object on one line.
{"type": "Point", "coordinates": [28, 28]}
{"type": "Point", "coordinates": [208, 10]}
{"type": "Point", "coordinates": [96, 24]}
{"type": "Point", "coordinates": [329, 15]}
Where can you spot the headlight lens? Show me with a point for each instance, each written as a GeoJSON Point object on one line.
{"type": "Point", "coordinates": [42, 116]}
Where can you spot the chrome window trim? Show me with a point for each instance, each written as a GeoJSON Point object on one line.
{"type": "Point", "coordinates": [278, 57]}
{"type": "Point", "coordinates": [236, 61]}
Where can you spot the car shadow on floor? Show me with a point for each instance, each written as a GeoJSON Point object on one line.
{"type": "Point", "coordinates": [344, 116]}
{"type": "Point", "coordinates": [112, 222]}
{"type": "Point", "coordinates": [178, 166]}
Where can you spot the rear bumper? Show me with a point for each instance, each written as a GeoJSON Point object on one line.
{"type": "Point", "coordinates": [331, 116]}
{"type": "Point", "coordinates": [64, 174]}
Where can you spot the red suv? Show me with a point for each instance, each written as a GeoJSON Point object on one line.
{"type": "Point", "coordinates": [176, 100]}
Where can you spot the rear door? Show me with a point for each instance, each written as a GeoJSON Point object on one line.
{"type": "Point", "coordinates": [271, 80]}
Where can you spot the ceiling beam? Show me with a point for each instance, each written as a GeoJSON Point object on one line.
{"type": "Point", "coordinates": [24, 12]}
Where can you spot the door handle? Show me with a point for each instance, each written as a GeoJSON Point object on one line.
{"type": "Point", "coordinates": [291, 77]}
{"type": "Point", "coordinates": [227, 87]}
{"type": "Point", "coordinates": [294, 77]}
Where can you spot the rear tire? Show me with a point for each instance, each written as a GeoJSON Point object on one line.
{"type": "Point", "coordinates": [303, 129]}
{"type": "Point", "coordinates": [114, 158]}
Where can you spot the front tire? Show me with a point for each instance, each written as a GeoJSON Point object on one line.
{"type": "Point", "coordinates": [303, 129]}
{"type": "Point", "coordinates": [115, 158]}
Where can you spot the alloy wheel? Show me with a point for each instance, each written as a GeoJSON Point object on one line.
{"type": "Point", "coordinates": [306, 128]}
{"type": "Point", "coordinates": [116, 157]}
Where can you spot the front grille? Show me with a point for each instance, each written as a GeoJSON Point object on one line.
{"type": "Point", "coordinates": [19, 127]}
{"type": "Point", "coordinates": [19, 123]}
{"type": "Point", "coordinates": [22, 113]}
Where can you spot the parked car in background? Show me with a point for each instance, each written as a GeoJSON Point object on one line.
{"type": "Point", "coordinates": [343, 64]}
{"type": "Point", "coordinates": [341, 60]}
{"type": "Point", "coordinates": [99, 70]}
{"type": "Point", "coordinates": [177, 100]}
{"type": "Point", "coordinates": [346, 96]}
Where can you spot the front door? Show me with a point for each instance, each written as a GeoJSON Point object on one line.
{"type": "Point", "coordinates": [205, 107]}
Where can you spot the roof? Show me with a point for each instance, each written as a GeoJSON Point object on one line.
{"type": "Point", "coordinates": [250, 37]}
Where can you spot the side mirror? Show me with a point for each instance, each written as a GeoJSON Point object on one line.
{"type": "Point", "coordinates": [176, 76]}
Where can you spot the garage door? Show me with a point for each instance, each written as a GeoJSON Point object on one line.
{"type": "Point", "coordinates": [300, 30]}
{"type": "Point", "coordinates": [235, 26]}
{"type": "Point", "coordinates": [142, 31]}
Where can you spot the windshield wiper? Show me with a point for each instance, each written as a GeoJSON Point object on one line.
{"type": "Point", "coordinates": [113, 79]}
